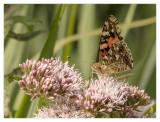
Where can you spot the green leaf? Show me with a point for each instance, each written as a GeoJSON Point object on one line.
{"type": "Point", "coordinates": [24, 37]}
{"type": "Point", "coordinates": [151, 111]}
{"type": "Point", "coordinates": [16, 75]}
{"type": "Point", "coordinates": [33, 108]}
{"type": "Point", "coordinates": [28, 22]}
{"type": "Point", "coordinates": [12, 91]}
{"type": "Point", "coordinates": [48, 48]}
{"type": "Point", "coordinates": [105, 116]}
{"type": "Point", "coordinates": [12, 77]}
{"type": "Point", "coordinates": [6, 30]}
{"type": "Point", "coordinates": [23, 106]}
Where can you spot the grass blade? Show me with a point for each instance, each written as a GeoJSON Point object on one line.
{"type": "Point", "coordinates": [70, 29]}
{"type": "Point", "coordinates": [148, 68]}
{"type": "Point", "coordinates": [48, 48]}
{"type": "Point", "coordinates": [129, 18]}
{"type": "Point", "coordinates": [86, 47]}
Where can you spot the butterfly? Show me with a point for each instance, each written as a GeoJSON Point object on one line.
{"type": "Point", "coordinates": [113, 55]}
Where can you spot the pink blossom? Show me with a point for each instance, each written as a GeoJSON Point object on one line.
{"type": "Point", "coordinates": [62, 109]}
{"type": "Point", "coordinates": [49, 78]}
{"type": "Point", "coordinates": [111, 97]}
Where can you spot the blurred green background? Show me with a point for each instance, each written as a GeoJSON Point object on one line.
{"type": "Point", "coordinates": [36, 31]}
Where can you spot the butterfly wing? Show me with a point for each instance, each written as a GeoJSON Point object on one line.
{"type": "Point", "coordinates": [110, 34]}
{"type": "Point", "coordinates": [119, 57]}
{"type": "Point", "coordinates": [113, 54]}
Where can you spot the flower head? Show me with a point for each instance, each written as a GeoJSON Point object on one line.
{"type": "Point", "coordinates": [62, 109]}
{"type": "Point", "coordinates": [108, 96]}
{"type": "Point", "coordinates": [49, 79]}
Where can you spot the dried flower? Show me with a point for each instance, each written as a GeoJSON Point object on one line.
{"type": "Point", "coordinates": [108, 96]}
{"type": "Point", "coordinates": [49, 79]}
{"type": "Point", "coordinates": [62, 109]}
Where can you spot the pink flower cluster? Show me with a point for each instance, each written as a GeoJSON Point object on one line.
{"type": "Point", "coordinates": [62, 109]}
{"type": "Point", "coordinates": [49, 79]}
{"type": "Point", "coordinates": [107, 96]}
{"type": "Point", "coordinates": [70, 97]}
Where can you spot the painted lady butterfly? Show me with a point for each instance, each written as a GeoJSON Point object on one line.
{"type": "Point", "coordinates": [113, 54]}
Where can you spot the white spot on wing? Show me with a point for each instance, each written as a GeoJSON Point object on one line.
{"type": "Point", "coordinates": [117, 57]}
{"type": "Point", "coordinates": [112, 30]}
{"type": "Point", "coordinates": [106, 23]}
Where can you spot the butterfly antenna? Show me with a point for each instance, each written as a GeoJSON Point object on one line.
{"type": "Point", "coordinates": [78, 59]}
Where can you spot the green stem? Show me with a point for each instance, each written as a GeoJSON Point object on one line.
{"type": "Point", "coordinates": [71, 24]}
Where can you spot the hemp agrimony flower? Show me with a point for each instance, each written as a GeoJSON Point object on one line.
{"type": "Point", "coordinates": [70, 97]}
{"type": "Point", "coordinates": [107, 96]}
{"type": "Point", "coordinates": [62, 109]}
{"type": "Point", "coordinates": [49, 79]}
